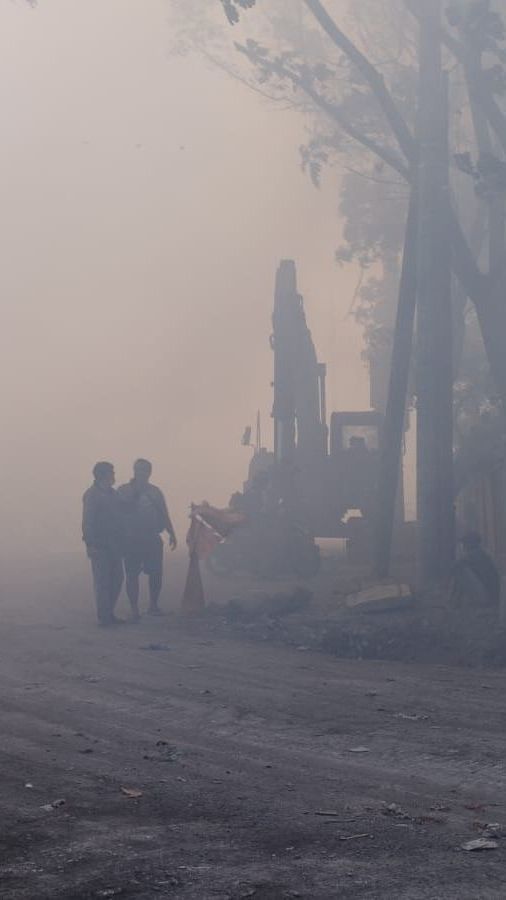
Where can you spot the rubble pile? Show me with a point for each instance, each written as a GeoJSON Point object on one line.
{"type": "Point", "coordinates": [386, 622]}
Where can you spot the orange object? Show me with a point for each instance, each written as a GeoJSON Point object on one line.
{"type": "Point", "coordinates": [193, 594]}
{"type": "Point", "coordinates": [209, 527]}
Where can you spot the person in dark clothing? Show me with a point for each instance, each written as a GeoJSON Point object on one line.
{"type": "Point", "coordinates": [146, 517]}
{"type": "Point", "coordinates": [476, 560]}
{"type": "Point", "coordinates": [102, 534]}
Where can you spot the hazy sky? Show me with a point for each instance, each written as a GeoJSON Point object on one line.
{"type": "Point", "coordinates": [146, 202]}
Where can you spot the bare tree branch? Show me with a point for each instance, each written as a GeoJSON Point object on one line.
{"type": "Point", "coordinates": [474, 282]}
{"type": "Point", "coordinates": [374, 79]}
{"type": "Point", "coordinates": [479, 86]}
{"type": "Point", "coordinates": [336, 113]}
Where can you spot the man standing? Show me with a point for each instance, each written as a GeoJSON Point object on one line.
{"type": "Point", "coordinates": [146, 518]}
{"type": "Point", "coordinates": [102, 534]}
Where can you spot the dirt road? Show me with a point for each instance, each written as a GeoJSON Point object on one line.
{"type": "Point", "coordinates": [251, 771]}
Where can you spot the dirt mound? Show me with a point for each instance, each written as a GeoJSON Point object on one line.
{"type": "Point", "coordinates": [471, 640]}
{"type": "Point", "coordinates": [428, 630]}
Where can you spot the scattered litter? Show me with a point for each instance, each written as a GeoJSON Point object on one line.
{"type": "Point", "coordinates": [359, 750]}
{"type": "Point", "coordinates": [395, 811]}
{"type": "Point", "coordinates": [330, 815]}
{"type": "Point", "coordinates": [195, 868]}
{"type": "Point", "coordinates": [110, 892]}
{"type": "Point", "coordinates": [475, 807]}
{"type": "Point", "coordinates": [411, 718]}
{"type": "Point", "coordinates": [381, 598]}
{"type": "Point", "coordinates": [29, 785]}
{"type": "Point", "coordinates": [356, 837]}
{"type": "Point", "coordinates": [156, 647]}
{"type": "Point", "coordinates": [131, 793]}
{"type": "Point", "coordinates": [494, 830]}
{"type": "Point", "coordinates": [440, 807]}
{"type": "Point", "coordinates": [56, 804]}
{"type": "Point", "coordinates": [171, 754]}
{"type": "Point", "coordinates": [479, 844]}
{"type": "Point", "coordinates": [207, 691]}
{"type": "Point", "coordinates": [429, 820]}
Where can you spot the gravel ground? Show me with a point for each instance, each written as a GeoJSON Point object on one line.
{"type": "Point", "coordinates": [194, 764]}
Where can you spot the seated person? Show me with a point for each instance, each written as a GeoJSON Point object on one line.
{"type": "Point", "coordinates": [478, 563]}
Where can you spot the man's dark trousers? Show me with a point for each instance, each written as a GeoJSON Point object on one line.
{"type": "Point", "coordinates": [107, 567]}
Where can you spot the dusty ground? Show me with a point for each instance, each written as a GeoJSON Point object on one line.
{"type": "Point", "coordinates": [236, 749]}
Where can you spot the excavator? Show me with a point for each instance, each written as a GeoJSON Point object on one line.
{"type": "Point", "coordinates": [319, 479]}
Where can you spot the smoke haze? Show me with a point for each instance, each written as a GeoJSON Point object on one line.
{"type": "Point", "coordinates": [147, 201]}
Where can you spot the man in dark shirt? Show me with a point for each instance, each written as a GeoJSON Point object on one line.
{"type": "Point", "coordinates": [102, 534]}
{"type": "Point", "coordinates": [146, 517]}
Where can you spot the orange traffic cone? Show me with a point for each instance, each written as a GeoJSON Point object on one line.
{"type": "Point", "coordinates": [193, 601]}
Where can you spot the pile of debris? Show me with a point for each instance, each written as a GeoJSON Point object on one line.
{"type": "Point", "coordinates": [387, 621]}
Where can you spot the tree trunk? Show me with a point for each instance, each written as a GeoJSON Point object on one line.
{"type": "Point", "coordinates": [492, 308]}
{"type": "Point", "coordinates": [436, 518]}
{"type": "Point", "coordinates": [393, 429]}
{"type": "Point", "coordinates": [492, 320]}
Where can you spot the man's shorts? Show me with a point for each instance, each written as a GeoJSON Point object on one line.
{"type": "Point", "coordinates": [145, 556]}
